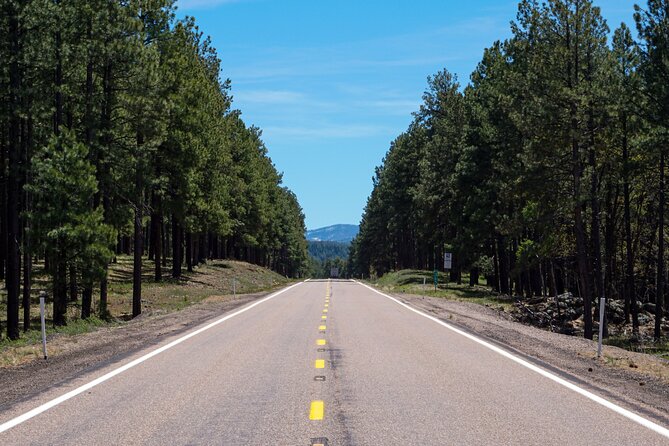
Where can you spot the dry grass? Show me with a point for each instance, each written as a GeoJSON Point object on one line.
{"type": "Point", "coordinates": [212, 282]}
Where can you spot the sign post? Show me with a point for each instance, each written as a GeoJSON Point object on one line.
{"type": "Point", "coordinates": [435, 277]}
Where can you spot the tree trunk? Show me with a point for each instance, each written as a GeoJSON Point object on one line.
{"type": "Point", "coordinates": [60, 286]}
{"type": "Point", "coordinates": [138, 234]}
{"type": "Point", "coordinates": [165, 241]}
{"type": "Point", "coordinates": [203, 250]}
{"type": "Point", "coordinates": [630, 294]}
{"type": "Point", "coordinates": [3, 208]}
{"type": "Point", "coordinates": [74, 288]}
{"type": "Point", "coordinates": [596, 221]}
{"type": "Point", "coordinates": [189, 252]}
{"type": "Point", "coordinates": [13, 278]}
{"type": "Point", "coordinates": [157, 238]}
{"type": "Point", "coordinates": [659, 296]}
{"type": "Point", "coordinates": [103, 311]}
{"type": "Point", "coordinates": [473, 276]}
{"type": "Point", "coordinates": [503, 266]}
{"type": "Point", "coordinates": [27, 248]}
{"type": "Point", "coordinates": [102, 170]}
{"type": "Point", "coordinates": [86, 299]}
{"type": "Point", "coordinates": [176, 248]}
{"type": "Point", "coordinates": [27, 275]}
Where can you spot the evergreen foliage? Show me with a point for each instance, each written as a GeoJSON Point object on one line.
{"type": "Point", "coordinates": [118, 135]}
{"type": "Point", "coordinates": [545, 172]}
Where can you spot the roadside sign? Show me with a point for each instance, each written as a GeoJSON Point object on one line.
{"type": "Point", "coordinates": [448, 260]}
{"type": "Point", "coordinates": [334, 273]}
{"type": "Point", "coordinates": [435, 278]}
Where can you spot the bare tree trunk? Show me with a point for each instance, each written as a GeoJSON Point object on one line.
{"type": "Point", "coordinates": [13, 278]}
{"type": "Point", "coordinates": [630, 294]}
{"type": "Point", "coordinates": [27, 248]}
{"type": "Point", "coordinates": [60, 286]}
{"type": "Point", "coordinates": [176, 248]}
{"type": "Point", "coordinates": [503, 266]}
{"type": "Point", "coordinates": [74, 287]}
{"type": "Point", "coordinates": [659, 297]}
{"type": "Point", "coordinates": [138, 235]}
{"type": "Point", "coordinates": [157, 238]}
{"type": "Point", "coordinates": [86, 299]}
{"type": "Point", "coordinates": [189, 252]}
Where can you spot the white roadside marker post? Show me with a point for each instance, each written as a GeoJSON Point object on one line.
{"type": "Point", "coordinates": [602, 305]}
{"type": "Point", "coordinates": [42, 296]}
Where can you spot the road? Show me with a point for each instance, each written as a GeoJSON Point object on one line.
{"type": "Point", "coordinates": [322, 363]}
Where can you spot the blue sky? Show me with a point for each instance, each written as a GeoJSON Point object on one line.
{"type": "Point", "coordinates": [333, 83]}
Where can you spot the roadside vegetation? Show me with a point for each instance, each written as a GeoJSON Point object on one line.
{"type": "Point", "coordinates": [541, 312]}
{"type": "Point", "coordinates": [422, 283]}
{"type": "Point", "coordinates": [119, 140]}
{"type": "Point", "coordinates": [211, 282]}
{"type": "Point", "coordinates": [545, 174]}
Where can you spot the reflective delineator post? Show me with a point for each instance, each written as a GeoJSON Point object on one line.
{"type": "Point", "coordinates": [42, 298]}
{"type": "Point", "coordinates": [602, 308]}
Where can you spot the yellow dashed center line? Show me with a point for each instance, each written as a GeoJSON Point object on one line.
{"type": "Point", "coordinates": [317, 408]}
{"type": "Point", "coordinates": [316, 412]}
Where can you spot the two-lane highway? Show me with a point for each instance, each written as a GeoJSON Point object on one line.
{"type": "Point", "coordinates": [325, 363]}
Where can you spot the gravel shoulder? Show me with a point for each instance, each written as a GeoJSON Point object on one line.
{"type": "Point", "coordinates": [84, 353]}
{"type": "Point", "coordinates": [637, 381]}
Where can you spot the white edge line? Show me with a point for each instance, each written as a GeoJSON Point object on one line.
{"type": "Point", "coordinates": [571, 386]}
{"type": "Point", "coordinates": [71, 394]}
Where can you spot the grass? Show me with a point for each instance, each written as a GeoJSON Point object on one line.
{"type": "Point", "coordinates": [659, 349]}
{"type": "Point", "coordinates": [411, 282]}
{"type": "Point", "coordinates": [209, 282]}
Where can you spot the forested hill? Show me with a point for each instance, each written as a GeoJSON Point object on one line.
{"type": "Point", "coordinates": [323, 251]}
{"type": "Point", "coordinates": [546, 172]}
{"type": "Point", "coordinates": [334, 233]}
{"type": "Point", "coordinates": [119, 135]}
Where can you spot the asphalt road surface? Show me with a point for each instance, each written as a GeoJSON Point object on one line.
{"type": "Point", "coordinates": [322, 363]}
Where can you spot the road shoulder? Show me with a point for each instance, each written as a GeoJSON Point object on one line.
{"type": "Point", "coordinates": [637, 381]}
{"type": "Point", "coordinates": [89, 352]}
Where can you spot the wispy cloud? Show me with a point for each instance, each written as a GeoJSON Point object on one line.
{"type": "Point", "coordinates": [276, 97]}
{"type": "Point", "coordinates": [430, 48]}
{"type": "Point", "coordinates": [400, 107]}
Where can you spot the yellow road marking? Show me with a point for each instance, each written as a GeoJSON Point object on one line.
{"type": "Point", "coordinates": [320, 342]}
{"type": "Point", "coordinates": [324, 317]}
{"type": "Point", "coordinates": [327, 305]}
{"type": "Point", "coordinates": [321, 327]}
{"type": "Point", "coordinates": [316, 412]}
{"type": "Point", "coordinates": [325, 310]}
{"type": "Point", "coordinates": [320, 364]}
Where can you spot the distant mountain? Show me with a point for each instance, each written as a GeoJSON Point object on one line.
{"type": "Point", "coordinates": [335, 233]}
